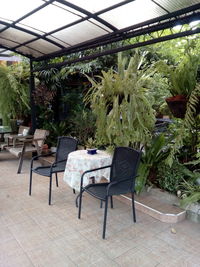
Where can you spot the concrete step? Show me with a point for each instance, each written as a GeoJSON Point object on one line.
{"type": "Point", "coordinates": [158, 209]}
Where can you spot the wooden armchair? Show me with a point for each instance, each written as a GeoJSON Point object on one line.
{"type": "Point", "coordinates": [13, 138]}
{"type": "Point", "coordinates": [29, 144]}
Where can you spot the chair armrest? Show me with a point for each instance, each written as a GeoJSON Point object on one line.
{"type": "Point", "coordinates": [55, 162]}
{"type": "Point", "coordinates": [59, 161]}
{"type": "Point", "coordinates": [92, 170]}
{"type": "Point", "coordinates": [43, 155]}
{"type": "Point", "coordinates": [40, 156]}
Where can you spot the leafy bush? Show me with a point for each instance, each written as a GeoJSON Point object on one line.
{"type": "Point", "coordinates": [191, 190]}
{"type": "Point", "coordinates": [83, 126]}
{"type": "Point", "coordinates": [14, 91]}
{"type": "Point", "coordinates": [170, 178]}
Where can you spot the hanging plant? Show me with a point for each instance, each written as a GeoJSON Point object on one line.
{"type": "Point", "coordinates": [124, 114]}
{"type": "Point", "coordinates": [182, 80]}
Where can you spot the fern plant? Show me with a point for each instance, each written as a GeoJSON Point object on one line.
{"type": "Point", "coordinates": [124, 114]}
{"type": "Point", "coordinates": [14, 91]}
{"type": "Point", "coordinates": [182, 76]}
{"type": "Point", "coordinates": [188, 125]}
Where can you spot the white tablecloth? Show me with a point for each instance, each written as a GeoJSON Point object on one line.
{"type": "Point", "coordinates": [80, 161]}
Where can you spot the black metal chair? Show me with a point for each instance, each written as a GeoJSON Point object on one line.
{"type": "Point", "coordinates": [122, 180]}
{"type": "Point", "coordinates": [65, 145]}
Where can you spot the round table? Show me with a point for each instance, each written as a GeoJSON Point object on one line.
{"type": "Point", "coordinates": [80, 161]}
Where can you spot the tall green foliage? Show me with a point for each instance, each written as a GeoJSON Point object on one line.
{"type": "Point", "coordinates": [189, 128]}
{"type": "Point", "coordinates": [14, 91]}
{"type": "Point", "coordinates": [124, 114]}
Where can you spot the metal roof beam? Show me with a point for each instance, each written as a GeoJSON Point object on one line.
{"type": "Point", "coordinates": [28, 14]}
{"type": "Point", "coordinates": [109, 37]}
{"type": "Point", "coordinates": [119, 49]}
{"type": "Point", "coordinates": [38, 36]}
{"type": "Point", "coordinates": [10, 49]}
{"type": "Point", "coordinates": [89, 14]}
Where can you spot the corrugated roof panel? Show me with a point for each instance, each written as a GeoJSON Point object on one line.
{"type": "Point", "coordinates": [72, 10]}
{"type": "Point", "coordinates": [43, 46]}
{"type": "Point", "coordinates": [79, 33]}
{"type": "Point", "coordinates": [133, 13]}
{"type": "Point", "coordinates": [29, 52]}
{"type": "Point", "coordinates": [50, 18]}
{"type": "Point", "coordinates": [14, 9]}
{"type": "Point", "coordinates": [94, 6]}
{"type": "Point", "coordinates": [7, 43]}
{"type": "Point", "coordinates": [2, 26]}
{"type": "Point", "coordinates": [65, 44]}
{"type": "Point", "coordinates": [172, 5]}
{"type": "Point", "coordinates": [33, 30]}
{"type": "Point", "coordinates": [100, 25]}
{"type": "Point", "coordinates": [58, 24]}
{"type": "Point", "coordinates": [17, 35]}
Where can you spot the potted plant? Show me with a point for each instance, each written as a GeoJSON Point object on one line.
{"type": "Point", "coordinates": [182, 81]}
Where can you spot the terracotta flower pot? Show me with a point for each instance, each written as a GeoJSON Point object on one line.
{"type": "Point", "coordinates": [177, 105]}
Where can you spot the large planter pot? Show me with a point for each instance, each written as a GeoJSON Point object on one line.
{"type": "Point", "coordinates": [177, 105]}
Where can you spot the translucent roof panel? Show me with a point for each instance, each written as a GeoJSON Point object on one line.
{"type": "Point", "coordinates": [50, 18]}
{"type": "Point", "coordinates": [7, 43]}
{"type": "Point", "coordinates": [175, 5]}
{"type": "Point", "coordinates": [42, 29]}
{"type": "Point", "coordinates": [128, 15]}
{"type": "Point", "coordinates": [94, 6]}
{"type": "Point", "coordinates": [14, 9]}
{"type": "Point", "coordinates": [2, 26]}
{"type": "Point", "coordinates": [80, 33]}
{"type": "Point", "coordinates": [43, 46]}
{"type": "Point", "coordinates": [17, 35]}
{"type": "Point", "coordinates": [29, 51]}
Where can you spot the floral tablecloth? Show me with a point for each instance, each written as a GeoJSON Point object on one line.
{"type": "Point", "coordinates": [80, 161]}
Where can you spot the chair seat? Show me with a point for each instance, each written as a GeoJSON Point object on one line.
{"type": "Point", "coordinates": [16, 151]}
{"type": "Point", "coordinates": [97, 190]}
{"type": "Point", "coordinates": [100, 190]}
{"type": "Point", "coordinates": [45, 170]}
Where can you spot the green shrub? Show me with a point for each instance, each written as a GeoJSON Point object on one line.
{"type": "Point", "coordinates": [169, 178]}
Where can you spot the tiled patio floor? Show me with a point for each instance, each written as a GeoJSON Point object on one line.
{"type": "Point", "coordinates": [33, 233]}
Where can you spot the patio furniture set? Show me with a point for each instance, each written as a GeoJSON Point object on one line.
{"type": "Point", "coordinates": [82, 170]}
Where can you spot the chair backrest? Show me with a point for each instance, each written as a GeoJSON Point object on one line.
{"type": "Point", "coordinates": [22, 128]}
{"type": "Point", "coordinates": [65, 145]}
{"type": "Point", "coordinates": [124, 166]}
{"type": "Point", "coordinates": [40, 134]}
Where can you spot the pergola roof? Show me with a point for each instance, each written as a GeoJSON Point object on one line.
{"type": "Point", "coordinates": [43, 29]}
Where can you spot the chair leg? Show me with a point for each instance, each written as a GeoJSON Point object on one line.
{"type": "Point", "coordinates": [111, 202]}
{"type": "Point", "coordinates": [80, 204]}
{"type": "Point", "coordinates": [133, 207]}
{"type": "Point", "coordinates": [101, 204]}
{"type": "Point", "coordinates": [30, 183]}
{"type": "Point", "coordinates": [105, 218]}
{"type": "Point", "coordinates": [74, 191]}
{"type": "Point", "coordinates": [50, 185]}
{"type": "Point", "coordinates": [21, 159]}
{"type": "Point", "coordinates": [56, 179]}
